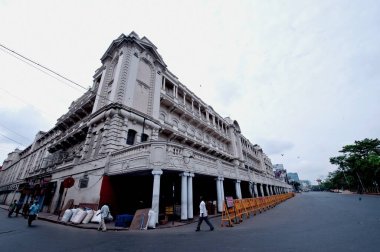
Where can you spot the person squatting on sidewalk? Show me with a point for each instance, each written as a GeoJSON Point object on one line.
{"type": "Point", "coordinates": [104, 213]}
{"type": "Point", "coordinates": [203, 215]}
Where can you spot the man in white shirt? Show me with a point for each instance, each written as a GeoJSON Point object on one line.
{"type": "Point", "coordinates": [104, 212]}
{"type": "Point", "coordinates": [203, 215]}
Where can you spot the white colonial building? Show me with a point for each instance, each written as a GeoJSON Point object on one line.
{"type": "Point", "coordinates": [139, 138]}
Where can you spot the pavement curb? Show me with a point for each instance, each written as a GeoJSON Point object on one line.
{"type": "Point", "coordinates": [5, 208]}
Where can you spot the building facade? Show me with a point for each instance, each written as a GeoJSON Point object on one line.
{"type": "Point", "coordinates": [139, 138]}
{"type": "Point", "coordinates": [280, 172]}
{"type": "Point", "coordinates": [293, 176]}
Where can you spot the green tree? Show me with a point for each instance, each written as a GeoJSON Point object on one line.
{"type": "Point", "coordinates": [295, 184]}
{"type": "Point", "coordinates": [358, 167]}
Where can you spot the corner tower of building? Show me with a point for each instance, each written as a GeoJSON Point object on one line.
{"type": "Point", "coordinates": [131, 75]}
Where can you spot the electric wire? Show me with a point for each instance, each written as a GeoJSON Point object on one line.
{"type": "Point", "coordinates": [37, 68]}
{"type": "Point", "coordinates": [41, 66]}
{"type": "Point", "coordinates": [26, 138]}
{"type": "Point", "coordinates": [31, 62]}
{"type": "Point", "coordinates": [12, 140]}
{"type": "Point", "coordinates": [42, 69]}
{"type": "Point", "coordinates": [27, 103]}
{"type": "Point", "coordinates": [46, 71]}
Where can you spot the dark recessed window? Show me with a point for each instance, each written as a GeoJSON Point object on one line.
{"type": "Point", "coordinates": [131, 137]}
{"type": "Point", "coordinates": [144, 137]}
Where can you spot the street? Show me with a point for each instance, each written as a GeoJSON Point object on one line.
{"type": "Point", "coordinates": [313, 221]}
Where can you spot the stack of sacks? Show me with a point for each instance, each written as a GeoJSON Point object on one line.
{"type": "Point", "coordinates": [79, 216]}
{"type": "Point", "coordinates": [96, 218]}
{"type": "Point", "coordinates": [90, 214]}
{"type": "Point", "coordinates": [67, 215]}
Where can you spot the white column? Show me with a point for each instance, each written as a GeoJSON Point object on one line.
{"type": "Point", "coordinates": [184, 195]}
{"type": "Point", "coordinates": [219, 194]}
{"type": "Point", "coordinates": [190, 214]}
{"type": "Point", "coordinates": [222, 189]}
{"type": "Point", "coordinates": [156, 192]}
{"type": "Point", "coordinates": [255, 190]}
{"type": "Point", "coordinates": [270, 190]}
{"type": "Point", "coordinates": [240, 194]}
{"type": "Point", "coordinates": [262, 190]}
{"type": "Point", "coordinates": [250, 189]}
{"type": "Point", "coordinates": [238, 189]}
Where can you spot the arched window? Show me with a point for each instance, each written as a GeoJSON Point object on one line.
{"type": "Point", "coordinates": [175, 123]}
{"type": "Point", "coordinates": [131, 137]}
{"type": "Point", "coordinates": [162, 116]}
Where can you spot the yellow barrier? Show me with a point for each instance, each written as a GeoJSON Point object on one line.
{"type": "Point", "coordinates": [245, 207]}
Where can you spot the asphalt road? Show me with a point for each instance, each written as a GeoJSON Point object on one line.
{"type": "Point", "coordinates": [309, 222]}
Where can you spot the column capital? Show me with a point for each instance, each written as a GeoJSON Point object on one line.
{"type": "Point", "coordinates": [238, 181]}
{"type": "Point", "coordinates": [157, 172]}
{"type": "Point", "coordinates": [191, 174]}
{"type": "Point", "coordinates": [219, 178]}
{"type": "Point", "coordinates": [185, 174]}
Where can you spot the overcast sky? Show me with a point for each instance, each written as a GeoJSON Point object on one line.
{"type": "Point", "coordinates": [301, 77]}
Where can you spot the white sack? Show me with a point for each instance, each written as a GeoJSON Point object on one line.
{"type": "Point", "coordinates": [67, 215]}
{"type": "Point", "coordinates": [87, 219]}
{"type": "Point", "coordinates": [96, 218]}
{"type": "Point", "coordinates": [79, 216]}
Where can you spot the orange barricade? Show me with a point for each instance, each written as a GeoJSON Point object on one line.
{"type": "Point", "coordinates": [234, 211]}
{"type": "Point", "coordinates": [227, 215]}
{"type": "Point", "coordinates": [241, 210]}
{"type": "Point", "coordinates": [230, 215]}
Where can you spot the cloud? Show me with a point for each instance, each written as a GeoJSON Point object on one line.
{"type": "Point", "coordinates": [21, 126]}
{"type": "Point", "coordinates": [275, 146]}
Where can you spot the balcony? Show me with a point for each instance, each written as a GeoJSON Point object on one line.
{"type": "Point", "coordinates": [163, 155]}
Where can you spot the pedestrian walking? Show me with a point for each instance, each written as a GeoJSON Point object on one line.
{"type": "Point", "coordinates": [33, 211]}
{"type": "Point", "coordinates": [104, 214]}
{"type": "Point", "coordinates": [18, 207]}
{"type": "Point", "coordinates": [203, 216]}
{"type": "Point", "coordinates": [12, 208]}
{"type": "Point", "coordinates": [25, 210]}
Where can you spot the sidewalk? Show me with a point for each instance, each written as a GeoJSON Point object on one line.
{"type": "Point", "coordinates": [110, 226]}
